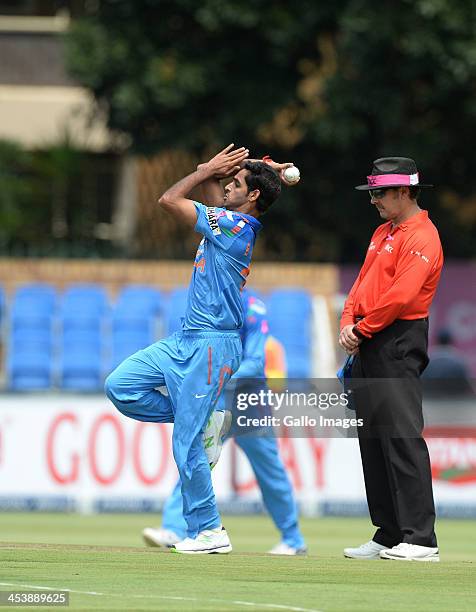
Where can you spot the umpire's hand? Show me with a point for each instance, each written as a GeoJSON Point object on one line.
{"type": "Point", "coordinates": [349, 341]}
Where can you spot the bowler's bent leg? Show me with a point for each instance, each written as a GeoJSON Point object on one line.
{"type": "Point", "coordinates": [132, 386]}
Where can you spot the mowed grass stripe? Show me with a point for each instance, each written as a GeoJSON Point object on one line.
{"type": "Point", "coordinates": [172, 598]}
{"type": "Point", "coordinates": [140, 577]}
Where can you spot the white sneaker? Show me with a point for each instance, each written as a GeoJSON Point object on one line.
{"type": "Point", "coordinates": [369, 550]}
{"type": "Point", "coordinates": [207, 542]}
{"type": "Point", "coordinates": [411, 552]}
{"type": "Point", "coordinates": [284, 549]}
{"type": "Point", "coordinates": [215, 432]}
{"type": "Point", "coordinates": [160, 537]}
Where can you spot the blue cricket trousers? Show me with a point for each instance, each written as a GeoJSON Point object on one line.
{"type": "Point", "coordinates": [194, 366]}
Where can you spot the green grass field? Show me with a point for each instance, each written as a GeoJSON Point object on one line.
{"type": "Point", "coordinates": [104, 554]}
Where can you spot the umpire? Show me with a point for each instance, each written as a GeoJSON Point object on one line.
{"type": "Point", "coordinates": [385, 325]}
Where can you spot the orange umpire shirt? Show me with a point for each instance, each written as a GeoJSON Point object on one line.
{"type": "Point", "coordinates": [399, 277]}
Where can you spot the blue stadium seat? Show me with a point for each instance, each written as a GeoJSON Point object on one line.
{"type": "Point", "coordinates": [31, 320]}
{"type": "Point", "coordinates": [90, 339]}
{"type": "Point", "coordinates": [176, 309]}
{"type": "Point", "coordinates": [299, 365]}
{"type": "Point", "coordinates": [29, 370]}
{"type": "Point", "coordinates": [82, 323]}
{"type": "Point", "coordinates": [134, 320]}
{"type": "Point", "coordinates": [84, 301]}
{"type": "Point", "coordinates": [82, 370]}
{"type": "Point", "coordinates": [138, 299]}
{"type": "Point", "coordinates": [129, 334]}
{"type": "Point", "coordinates": [41, 292]}
{"type": "Point", "coordinates": [296, 301]}
{"type": "Point", "coordinates": [81, 363]}
{"type": "Point", "coordinates": [33, 306]}
{"type": "Point", "coordinates": [30, 338]}
{"type": "Point", "coordinates": [290, 321]}
{"type": "Point", "coordinates": [23, 338]}
{"type": "Point", "coordinates": [125, 344]}
{"type": "Point", "coordinates": [83, 318]}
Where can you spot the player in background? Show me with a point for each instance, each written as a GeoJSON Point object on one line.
{"type": "Point", "coordinates": [196, 362]}
{"type": "Point", "coordinates": [263, 357]}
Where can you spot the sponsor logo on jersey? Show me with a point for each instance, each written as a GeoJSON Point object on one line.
{"type": "Point", "coordinates": [419, 254]}
{"type": "Point", "coordinates": [213, 221]}
{"type": "Point", "coordinates": [238, 227]}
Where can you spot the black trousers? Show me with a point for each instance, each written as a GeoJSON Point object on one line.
{"type": "Point", "coordinates": [387, 395]}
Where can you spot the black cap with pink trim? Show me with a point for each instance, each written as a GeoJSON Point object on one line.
{"type": "Point", "coordinates": [393, 172]}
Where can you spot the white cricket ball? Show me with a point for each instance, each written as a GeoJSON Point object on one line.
{"type": "Point", "coordinates": [292, 175]}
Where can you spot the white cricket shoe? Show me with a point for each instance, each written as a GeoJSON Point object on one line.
{"type": "Point", "coordinates": [215, 432]}
{"type": "Point", "coordinates": [369, 550]}
{"type": "Point", "coordinates": [160, 537]}
{"type": "Point", "coordinates": [411, 552]}
{"type": "Point", "coordinates": [207, 542]}
{"type": "Point", "coordinates": [284, 549]}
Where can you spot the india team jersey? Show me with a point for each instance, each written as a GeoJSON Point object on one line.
{"type": "Point", "coordinates": [254, 335]}
{"type": "Point", "coordinates": [220, 269]}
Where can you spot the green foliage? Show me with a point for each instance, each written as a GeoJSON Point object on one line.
{"type": "Point", "coordinates": [44, 207]}
{"type": "Point", "coordinates": [330, 86]}
{"type": "Point", "coordinates": [16, 192]}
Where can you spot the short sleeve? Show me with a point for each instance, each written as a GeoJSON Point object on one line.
{"type": "Point", "coordinates": [219, 225]}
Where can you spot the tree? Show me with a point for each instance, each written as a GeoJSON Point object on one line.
{"type": "Point", "coordinates": [330, 86]}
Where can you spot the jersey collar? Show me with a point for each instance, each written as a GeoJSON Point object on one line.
{"type": "Point", "coordinates": [420, 217]}
{"type": "Point", "coordinates": [256, 225]}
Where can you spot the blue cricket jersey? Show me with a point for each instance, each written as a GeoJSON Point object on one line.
{"type": "Point", "coordinates": [220, 269]}
{"type": "Point", "coordinates": [254, 334]}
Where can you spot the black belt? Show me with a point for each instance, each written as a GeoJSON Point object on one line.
{"type": "Point", "coordinates": [358, 318]}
